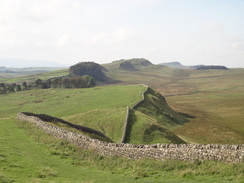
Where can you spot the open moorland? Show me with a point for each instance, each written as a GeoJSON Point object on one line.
{"type": "Point", "coordinates": [202, 106]}
{"type": "Point", "coordinates": [212, 99]}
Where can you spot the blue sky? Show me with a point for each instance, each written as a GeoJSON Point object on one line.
{"type": "Point", "coordinates": [68, 31]}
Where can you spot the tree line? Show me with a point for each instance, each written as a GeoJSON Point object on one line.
{"type": "Point", "coordinates": [84, 81]}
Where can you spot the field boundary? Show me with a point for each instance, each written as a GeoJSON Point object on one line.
{"type": "Point", "coordinates": [143, 97]}
{"type": "Point", "coordinates": [127, 119]}
{"type": "Point", "coordinates": [186, 152]}
{"type": "Point", "coordinates": [126, 125]}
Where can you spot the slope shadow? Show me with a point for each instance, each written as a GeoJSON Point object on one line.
{"type": "Point", "coordinates": [187, 115]}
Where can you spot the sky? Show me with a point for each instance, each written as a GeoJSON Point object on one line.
{"type": "Point", "coordinates": [193, 32]}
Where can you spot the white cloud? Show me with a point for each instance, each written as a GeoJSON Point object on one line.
{"type": "Point", "coordinates": [233, 38]}
{"type": "Point", "coordinates": [38, 10]}
{"type": "Point", "coordinates": [233, 43]}
{"type": "Point", "coordinates": [63, 40]}
{"type": "Point", "coordinates": [107, 29]}
{"type": "Point", "coordinates": [116, 37]}
{"type": "Point", "coordinates": [123, 34]}
{"type": "Point", "coordinates": [214, 25]}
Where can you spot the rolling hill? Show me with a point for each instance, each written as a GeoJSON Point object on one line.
{"type": "Point", "coordinates": [206, 96]}
{"type": "Point", "coordinates": [188, 91]}
{"type": "Point", "coordinates": [175, 65]}
{"type": "Point", "coordinates": [199, 106]}
{"type": "Point", "coordinates": [100, 108]}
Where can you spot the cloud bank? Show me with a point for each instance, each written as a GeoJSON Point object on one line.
{"type": "Point", "coordinates": [203, 32]}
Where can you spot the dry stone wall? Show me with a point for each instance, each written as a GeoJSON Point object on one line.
{"type": "Point", "coordinates": [127, 120]}
{"type": "Point", "coordinates": [126, 125]}
{"type": "Point", "coordinates": [143, 98]}
{"type": "Point", "coordinates": [187, 152]}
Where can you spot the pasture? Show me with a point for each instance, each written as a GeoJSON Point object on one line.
{"type": "Point", "coordinates": [215, 114]}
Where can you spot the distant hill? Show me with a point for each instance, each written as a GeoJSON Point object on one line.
{"type": "Point", "coordinates": [127, 65]}
{"type": "Point", "coordinates": [176, 65]}
{"type": "Point", "coordinates": [134, 64]}
{"type": "Point", "coordinates": [196, 66]}
{"type": "Point", "coordinates": [21, 63]}
{"type": "Point", "coordinates": [209, 67]}
{"type": "Point", "coordinates": [92, 69]}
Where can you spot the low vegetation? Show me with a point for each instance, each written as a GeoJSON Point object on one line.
{"type": "Point", "coordinates": [144, 129]}
{"type": "Point", "coordinates": [37, 157]}
{"type": "Point", "coordinates": [62, 124]}
{"type": "Point", "coordinates": [59, 82]}
{"type": "Point", "coordinates": [210, 100]}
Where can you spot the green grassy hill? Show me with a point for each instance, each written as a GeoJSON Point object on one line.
{"type": "Point", "coordinates": [101, 108]}
{"type": "Point", "coordinates": [206, 96]}
{"type": "Point", "coordinates": [214, 113]}
{"type": "Point", "coordinates": [156, 107]}
{"type": "Point", "coordinates": [30, 155]}
{"type": "Point", "coordinates": [13, 78]}
{"type": "Point", "coordinates": [108, 121]}
{"type": "Point", "coordinates": [144, 129]}
{"type": "Point", "coordinates": [211, 98]}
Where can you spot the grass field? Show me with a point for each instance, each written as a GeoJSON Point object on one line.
{"type": "Point", "coordinates": [215, 115]}
{"type": "Point", "coordinates": [146, 130]}
{"type": "Point", "coordinates": [101, 108]}
{"type": "Point", "coordinates": [30, 155]}
{"type": "Point", "coordinates": [213, 99]}
{"type": "Point", "coordinates": [69, 101]}
{"type": "Point", "coordinates": [20, 77]}
{"type": "Point", "coordinates": [217, 107]}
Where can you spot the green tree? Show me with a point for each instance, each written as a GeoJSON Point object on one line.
{"type": "Point", "coordinates": [3, 88]}
{"type": "Point", "coordinates": [66, 83]}
{"type": "Point", "coordinates": [25, 87]}
{"type": "Point", "coordinates": [90, 82]}
{"type": "Point", "coordinates": [18, 88]}
{"type": "Point", "coordinates": [10, 88]}
{"type": "Point", "coordinates": [56, 83]}
{"type": "Point", "coordinates": [38, 84]}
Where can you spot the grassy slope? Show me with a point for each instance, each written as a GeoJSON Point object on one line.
{"type": "Point", "coordinates": [11, 78]}
{"type": "Point", "coordinates": [100, 108]}
{"type": "Point", "coordinates": [218, 107]}
{"type": "Point", "coordinates": [146, 130]}
{"type": "Point", "coordinates": [216, 110]}
{"type": "Point", "coordinates": [22, 159]}
{"type": "Point", "coordinates": [143, 129]}
{"type": "Point", "coordinates": [156, 107]}
{"type": "Point", "coordinates": [37, 157]}
{"type": "Point", "coordinates": [220, 88]}
{"type": "Point", "coordinates": [51, 160]}
{"type": "Point", "coordinates": [69, 101]}
{"type": "Point", "coordinates": [90, 107]}
{"type": "Point", "coordinates": [108, 121]}
{"type": "Point", "coordinates": [150, 122]}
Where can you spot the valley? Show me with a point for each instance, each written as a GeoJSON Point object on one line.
{"type": "Point", "coordinates": [180, 106]}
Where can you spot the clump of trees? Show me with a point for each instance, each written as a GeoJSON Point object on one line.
{"type": "Point", "coordinates": [59, 82]}
{"type": "Point", "coordinates": [8, 88]}
{"type": "Point", "coordinates": [82, 75]}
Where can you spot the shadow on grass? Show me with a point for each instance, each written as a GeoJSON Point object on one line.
{"type": "Point", "coordinates": [187, 116]}
{"type": "Point", "coordinates": [132, 120]}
